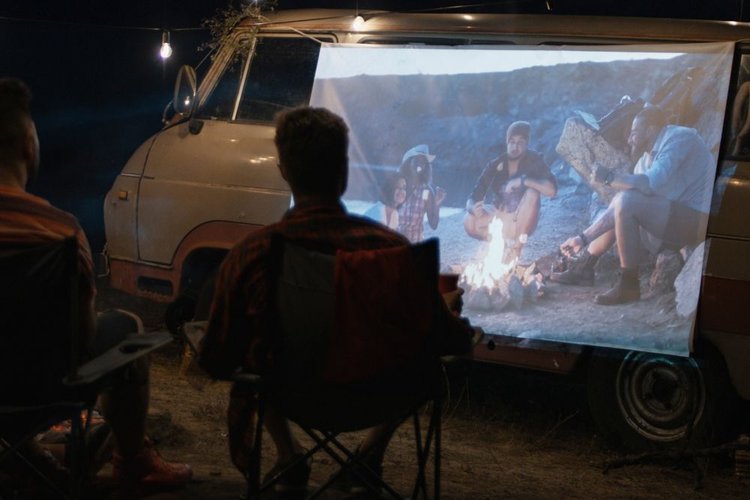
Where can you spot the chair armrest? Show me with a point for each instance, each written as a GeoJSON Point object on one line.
{"type": "Point", "coordinates": [252, 380]}
{"type": "Point", "coordinates": [118, 356]}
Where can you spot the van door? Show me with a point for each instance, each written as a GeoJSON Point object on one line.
{"type": "Point", "coordinates": [220, 166]}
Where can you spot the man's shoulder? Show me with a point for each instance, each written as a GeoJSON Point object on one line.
{"type": "Point", "coordinates": [348, 232]}
{"type": "Point", "coordinates": [364, 227]}
{"type": "Point", "coordinates": [23, 208]}
{"type": "Point", "coordinates": [679, 132]}
{"type": "Point", "coordinates": [534, 156]}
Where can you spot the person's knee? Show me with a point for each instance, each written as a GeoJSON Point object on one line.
{"type": "Point", "coordinates": [532, 197]}
{"type": "Point", "coordinates": [472, 226]}
{"type": "Point", "coordinates": [625, 202]}
{"type": "Point", "coordinates": [119, 321]}
{"type": "Point", "coordinates": [112, 327]}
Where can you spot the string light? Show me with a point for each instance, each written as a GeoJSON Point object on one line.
{"type": "Point", "coordinates": [358, 22]}
{"type": "Point", "coordinates": [166, 49]}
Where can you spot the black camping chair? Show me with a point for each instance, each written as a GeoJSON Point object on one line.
{"type": "Point", "coordinates": [43, 379]}
{"type": "Point", "coordinates": [351, 353]}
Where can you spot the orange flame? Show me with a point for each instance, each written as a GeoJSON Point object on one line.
{"type": "Point", "coordinates": [488, 270]}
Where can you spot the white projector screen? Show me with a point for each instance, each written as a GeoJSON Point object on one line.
{"type": "Point", "coordinates": [457, 103]}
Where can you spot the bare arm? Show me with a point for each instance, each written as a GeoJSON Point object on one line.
{"type": "Point", "coordinates": [621, 182]}
{"type": "Point", "coordinates": [603, 224]}
{"type": "Point", "coordinates": [544, 186]}
{"type": "Point", "coordinates": [638, 182]}
{"type": "Point", "coordinates": [433, 201]}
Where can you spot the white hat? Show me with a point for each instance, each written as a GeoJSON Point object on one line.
{"type": "Point", "coordinates": [420, 150]}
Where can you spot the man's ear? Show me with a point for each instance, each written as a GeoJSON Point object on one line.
{"type": "Point", "coordinates": [30, 150]}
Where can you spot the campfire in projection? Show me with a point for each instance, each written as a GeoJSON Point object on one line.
{"type": "Point", "coordinates": [494, 279]}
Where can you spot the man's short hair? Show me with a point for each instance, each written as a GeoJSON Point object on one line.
{"type": "Point", "coordinates": [15, 111]}
{"type": "Point", "coordinates": [518, 128]}
{"type": "Point", "coordinates": [313, 147]}
{"type": "Point", "coordinates": [653, 116]}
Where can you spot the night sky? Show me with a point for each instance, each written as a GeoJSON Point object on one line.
{"type": "Point", "coordinates": [100, 87]}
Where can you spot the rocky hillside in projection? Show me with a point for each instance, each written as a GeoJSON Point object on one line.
{"type": "Point", "coordinates": [463, 118]}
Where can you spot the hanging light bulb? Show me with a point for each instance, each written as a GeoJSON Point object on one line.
{"type": "Point", "coordinates": [166, 49]}
{"type": "Point", "coordinates": [358, 22]}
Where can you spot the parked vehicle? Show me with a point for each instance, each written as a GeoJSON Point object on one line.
{"type": "Point", "coordinates": [209, 179]}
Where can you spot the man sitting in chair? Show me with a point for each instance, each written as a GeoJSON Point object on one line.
{"type": "Point", "coordinates": [28, 219]}
{"type": "Point", "coordinates": [312, 145]}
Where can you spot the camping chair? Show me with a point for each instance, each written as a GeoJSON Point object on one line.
{"type": "Point", "coordinates": [354, 347]}
{"type": "Point", "coordinates": [43, 379]}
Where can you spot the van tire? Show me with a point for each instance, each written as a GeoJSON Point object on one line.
{"type": "Point", "coordinates": [645, 401]}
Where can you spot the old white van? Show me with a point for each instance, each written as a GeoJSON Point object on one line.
{"type": "Point", "coordinates": [660, 371]}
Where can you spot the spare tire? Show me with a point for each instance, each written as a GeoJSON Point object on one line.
{"type": "Point", "coordinates": [646, 401]}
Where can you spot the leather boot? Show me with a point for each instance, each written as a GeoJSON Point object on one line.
{"type": "Point", "coordinates": [627, 289]}
{"type": "Point", "coordinates": [580, 271]}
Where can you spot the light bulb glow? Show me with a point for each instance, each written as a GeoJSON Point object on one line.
{"type": "Point", "coordinates": [165, 51]}
{"type": "Point", "coordinates": [358, 22]}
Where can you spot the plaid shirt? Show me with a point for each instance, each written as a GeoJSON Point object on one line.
{"type": "Point", "coordinates": [411, 214]}
{"type": "Point", "coordinates": [28, 219]}
{"type": "Point", "coordinates": [239, 321]}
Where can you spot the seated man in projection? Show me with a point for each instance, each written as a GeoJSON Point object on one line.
{"type": "Point", "coordinates": [664, 204]}
{"type": "Point", "coordinates": [514, 183]}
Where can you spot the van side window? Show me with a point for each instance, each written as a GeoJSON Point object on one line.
{"type": "Point", "coordinates": [281, 76]}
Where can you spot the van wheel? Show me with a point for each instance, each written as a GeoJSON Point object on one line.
{"type": "Point", "coordinates": [646, 401]}
{"type": "Point", "coordinates": [179, 312]}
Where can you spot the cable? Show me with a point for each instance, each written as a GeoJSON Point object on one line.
{"type": "Point", "coordinates": [94, 25]}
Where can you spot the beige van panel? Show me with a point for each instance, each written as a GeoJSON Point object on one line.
{"type": "Point", "coordinates": [121, 204]}
{"type": "Point", "coordinates": [227, 172]}
{"type": "Point", "coordinates": [120, 207]}
{"type": "Point", "coordinates": [730, 219]}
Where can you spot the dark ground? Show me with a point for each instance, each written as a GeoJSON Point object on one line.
{"type": "Point", "coordinates": [507, 434]}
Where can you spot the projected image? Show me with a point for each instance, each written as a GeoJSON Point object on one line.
{"type": "Point", "coordinates": [569, 187]}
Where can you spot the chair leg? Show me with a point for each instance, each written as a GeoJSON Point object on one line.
{"type": "Point", "coordinates": [437, 415]}
{"type": "Point", "coordinates": [8, 450]}
{"type": "Point", "coordinates": [78, 459]}
{"type": "Point", "coordinates": [347, 461]}
{"type": "Point", "coordinates": [253, 473]}
{"type": "Point", "coordinates": [423, 452]}
{"type": "Point", "coordinates": [419, 483]}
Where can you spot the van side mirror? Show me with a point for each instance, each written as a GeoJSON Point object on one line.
{"type": "Point", "coordinates": [185, 91]}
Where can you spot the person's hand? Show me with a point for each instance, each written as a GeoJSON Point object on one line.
{"type": "Point", "coordinates": [602, 174]}
{"type": "Point", "coordinates": [514, 184]}
{"type": "Point", "coordinates": [571, 246]}
{"type": "Point", "coordinates": [475, 208]}
{"type": "Point", "coordinates": [478, 335]}
{"type": "Point", "coordinates": [439, 195]}
{"type": "Point", "coordinates": [454, 301]}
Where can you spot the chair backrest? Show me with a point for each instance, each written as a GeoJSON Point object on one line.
{"type": "Point", "coordinates": [355, 333]}
{"type": "Point", "coordinates": [38, 320]}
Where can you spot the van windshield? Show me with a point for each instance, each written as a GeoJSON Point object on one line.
{"type": "Point", "coordinates": [280, 76]}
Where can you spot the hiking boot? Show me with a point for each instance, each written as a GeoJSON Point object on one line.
{"type": "Point", "coordinates": [291, 476]}
{"type": "Point", "coordinates": [580, 271]}
{"type": "Point", "coordinates": [576, 275]}
{"type": "Point", "coordinates": [149, 471]}
{"type": "Point", "coordinates": [623, 292]}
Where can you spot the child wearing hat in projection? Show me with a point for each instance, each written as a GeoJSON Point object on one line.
{"type": "Point", "coordinates": [421, 197]}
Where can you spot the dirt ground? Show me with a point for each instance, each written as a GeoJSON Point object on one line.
{"type": "Point", "coordinates": [507, 434]}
